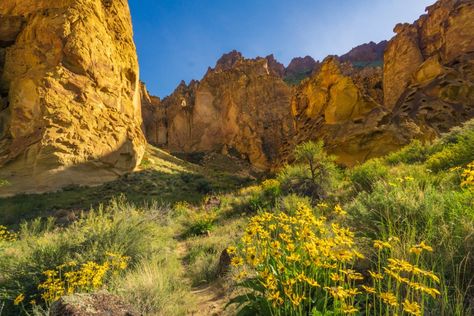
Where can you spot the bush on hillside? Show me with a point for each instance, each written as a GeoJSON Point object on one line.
{"type": "Point", "coordinates": [119, 228]}
{"type": "Point", "coordinates": [314, 173]}
{"type": "Point", "coordinates": [364, 176]}
{"type": "Point", "coordinates": [415, 152]}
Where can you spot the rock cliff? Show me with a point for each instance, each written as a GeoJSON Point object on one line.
{"type": "Point", "coordinates": [444, 35]}
{"type": "Point", "coordinates": [69, 93]}
{"type": "Point", "coordinates": [364, 104]}
{"type": "Point", "coordinates": [339, 104]}
{"type": "Point", "coordinates": [369, 54]}
{"type": "Point", "coordinates": [241, 106]}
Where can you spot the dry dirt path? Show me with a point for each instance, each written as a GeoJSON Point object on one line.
{"type": "Point", "coordinates": [209, 299]}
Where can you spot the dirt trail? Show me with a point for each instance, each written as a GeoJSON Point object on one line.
{"type": "Point", "coordinates": [210, 299]}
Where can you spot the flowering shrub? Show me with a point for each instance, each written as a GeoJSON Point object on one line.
{"type": "Point", "coordinates": [299, 264]}
{"type": "Point", "coordinates": [70, 278]}
{"type": "Point", "coordinates": [468, 176]}
{"type": "Point", "coordinates": [6, 235]}
{"type": "Point", "coordinates": [201, 223]}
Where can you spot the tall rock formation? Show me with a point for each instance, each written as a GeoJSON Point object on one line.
{"type": "Point", "coordinates": [360, 109]}
{"type": "Point", "coordinates": [154, 118]}
{"type": "Point", "coordinates": [443, 36]}
{"type": "Point", "coordinates": [241, 106]}
{"type": "Point", "coordinates": [70, 96]}
{"type": "Point", "coordinates": [339, 104]}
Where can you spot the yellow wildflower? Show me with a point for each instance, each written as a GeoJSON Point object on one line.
{"type": "Point", "coordinates": [349, 309]}
{"type": "Point", "coordinates": [275, 298]}
{"type": "Point", "coordinates": [375, 275]}
{"type": "Point", "coordinates": [339, 211]}
{"type": "Point", "coordinates": [231, 250]}
{"type": "Point", "coordinates": [19, 299]}
{"type": "Point", "coordinates": [379, 245]}
{"type": "Point", "coordinates": [411, 308]}
{"type": "Point", "coordinates": [236, 261]}
{"type": "Point", "coordinates": [389, 298]}
{"type": "Point", "coordinates": [368, 289]}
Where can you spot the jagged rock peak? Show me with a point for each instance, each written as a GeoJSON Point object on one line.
{"type": "Point", "coordinates": [301, 65]}
{"type": "Point", "coordinates": [228, 60]}
{"type": "Point", "coordinates": [275, 66]}
{"type": "Point", "coordinates": [366, 53]}
{"type": "Point", "coordinates": [446, 32]}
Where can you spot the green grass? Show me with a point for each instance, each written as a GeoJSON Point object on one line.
{"type": "Point", "coordinates": [414, 194]}
{"type": "Point", "coordinates": [161, 178]}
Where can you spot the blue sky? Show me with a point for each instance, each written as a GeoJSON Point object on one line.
{"type": "Point", "coordinates": [179, 39]}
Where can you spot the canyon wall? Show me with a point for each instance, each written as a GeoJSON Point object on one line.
{"type": "Point", "coordinates": [240, 106]}
{"type": "Point", "coordinates": [70, 109]}
{"type": "Point", "coordinates": [366, 103]}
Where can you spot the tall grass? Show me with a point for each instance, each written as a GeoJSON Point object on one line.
{"type": "Point", "coordinates": [121, 228]}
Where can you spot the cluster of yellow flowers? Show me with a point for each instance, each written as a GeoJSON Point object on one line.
{"type": "Point", "coordinates": [301, 263]}
{"type": "Point", "coordinates": [468, 176]}
{"type": "Point", "coordinates": [401, 180]}
{"type": "Point", "coordinates": [6, 235]}
{"type": "Point", "coordinates": [72, 278]}
{"type": "Point", "coordinates": [400, 285]}
{"type": "Point", "coordinates": [298, 257]}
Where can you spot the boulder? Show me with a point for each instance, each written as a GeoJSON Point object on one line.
{"type": "Point", "coordinates": [97, 304]}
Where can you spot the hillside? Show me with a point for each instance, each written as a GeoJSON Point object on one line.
{"type": "Point", "coordinates": [421, 195]}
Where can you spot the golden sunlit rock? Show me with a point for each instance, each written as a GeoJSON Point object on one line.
{"type": "Point", "coordinates": [70, 93]}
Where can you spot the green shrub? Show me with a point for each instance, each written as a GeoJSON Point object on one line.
{"type": "Point", "coordinates": [418, 210]}
{"type": "Point", "coordinates": [364, 176]}
{"type": "Point", "coordinates": [291, 202]}
{"type": "Point", "coordinates": [117, 228]}
{"type": "Point", "coordinates": [314, 173]}
{"type": "Point", "coordinates": [203, 186]}
{"type": "Point", "coordinates": [201, 223]}
{"type": "Point", "coordinates": [415, 152]}
{"type": "Point", "coordinates": [453, 149]}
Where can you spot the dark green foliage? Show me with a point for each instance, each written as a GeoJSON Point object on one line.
{"type": "Point", "coordinates": [364, 176]}
{"type": "Point", "coordinates": [454, 149]}
{"type": "Point", "coordinates": [414, 153]}
{"type": "Point", "coordinates": [314, 173]}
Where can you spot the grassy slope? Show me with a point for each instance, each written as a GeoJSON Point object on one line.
{"type": "Point", "coordinates": [161, 177]}
{"type": "Point", "coordinates": [417, 186]}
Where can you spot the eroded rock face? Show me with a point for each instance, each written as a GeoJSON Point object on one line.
{"type": "Point", "coordinates": [241, 106]}
{"type": "Point", "coordinates": [445, 33]}
{"type": "Point", "coordinates": [70, 109]}
{"type": "Point", "coordinates": [358, 108]}
{"type": "Point", "coordinates": [336, 105]}
{"type": "Point", "coordinates": [154, 118]}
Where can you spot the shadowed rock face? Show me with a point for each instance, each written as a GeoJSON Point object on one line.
{"type": "Point", "coordinates": [240, 106]}
{"type": "Point", "coordinates": [154, 119]}
{"type": "Point", "coordinates": [424, 88]}
{"type": "Point", "coordinates": [366, 54]}
{"type": "Point", "coordinates": [444, 34]}
{"type": "Point", "coordinates": [339, 105]}
{"type": "Point", "coordinates": [70, 99]}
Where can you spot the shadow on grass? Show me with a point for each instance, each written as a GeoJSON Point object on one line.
{"type": "Point", "coordinates": [141, 188]}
